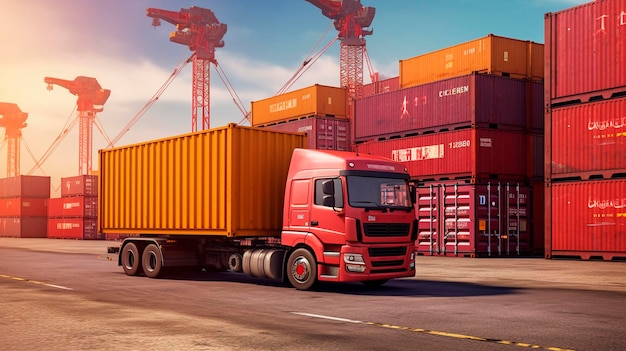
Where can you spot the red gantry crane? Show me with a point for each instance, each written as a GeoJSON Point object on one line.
{"type": "Point", "coordinates": [91, 99]}
{"type": "Point", "coordinates": [350, 19]}
{"type": "Point", "coordinates": [13, 120]}
{"type": "Point", "coordinates": [199, 29]}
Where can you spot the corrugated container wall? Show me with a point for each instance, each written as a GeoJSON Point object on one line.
{"type": "Point", "coordinates": [588, 219]}
{"type": "Point", "coordinates": [226, 181]}
{"type": "Point", "coordinates": [491, 219]}
{"type": "Point", "coordinates": [84, 185]}
{"type": "Point", "coordinates": [585, 51]}
{"type": "Point", "coordinates": [23, 227]}
{"type": "Point", "coordinates": [25, 186]}
{"type": "Point", "coordinates": [491, 54]}
{"type": "Point", "coordinates": [74, 206]}
{"type": "Point", "coordinates": [467, 153]}
{"type": "Point", "coordinates": [381, 86]}
{"type": "Point", "coordinates": [323, 133]}
{"type": "Point", "coordinates": [476, 100]}
{"type": "Point", "coordinates": [73, 228]}
{"type": "Point", "coordinates": [24, 207]}
{"type": "Point", "coordinates": [316, 100]}
{"type": "Point", "coordinates": [589, 140]}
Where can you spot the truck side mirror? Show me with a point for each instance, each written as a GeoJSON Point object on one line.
{"type": "Point", "coordinates": [328, 200]}
{"type": "Point", "coordinates": [328, 188]}
{"type": "Point", "coordinates": [413, 193]}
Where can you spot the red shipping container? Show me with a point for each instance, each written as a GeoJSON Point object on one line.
{"type": "Point", "coordinates": [490, 219]}
{"type": "Point", "coordinates": [587, 219]}
{"type": "Point", "coordinates": [75, 206]}
{"type": "Point", "coordinates": [25, 186]}
{"type": "Point", "coordinates": [477, 100]}
{"type": "Point", "coordinates": [585, 48]}
{"type": "Point", "coordinates": [86, 185]}
{"type": "Point", "coordinates": [23, 227]}
{"type": "Point", "coordinates": [73, 228]}
{"type": "Point", "coordinates": [381, 86]}
{"type": "Point", "coordinates": [538, 216]}
{"type": "Point", "coordinates": [467, 153]}
{"type": "Point", "coordinates": [589, 140]}
{"type": "Point", "coordinates": [23, 207]}
{"type": "Point", "coordinates": [323, 133]}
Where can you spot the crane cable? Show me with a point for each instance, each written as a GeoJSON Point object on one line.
{"type": "Point", "coordinates": [179, 67]}
{"type": "Point", "coordinates": [233, 93]}
{"type": "Point", "coordinates": [30, 152]}
{"type": "Point", "coordinates": [306, 62]}
{"type": "Point", "coordinates": [64, 131]}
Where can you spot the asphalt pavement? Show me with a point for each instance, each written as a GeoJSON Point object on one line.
{"type": "Point", "coordinates": [520, 272]}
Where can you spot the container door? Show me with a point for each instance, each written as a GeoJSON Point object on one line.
{"type": "Point", "coordinates": [427, 207]}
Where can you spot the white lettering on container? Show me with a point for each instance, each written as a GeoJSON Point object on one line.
{"type": "Point", "coordinates": [617, 123]}
{"type": "Point", "coordinates": [454, 91]}
{"type": "Point", "coordinates": [485, 142]}
{"type": "Point", "coordinates": [283, 105]}
{"type": "Point", "coordinates": [607, 203]}
{"type": "Point", "coordinates": [419, 153]}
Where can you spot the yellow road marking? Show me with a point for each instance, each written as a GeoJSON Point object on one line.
{"type": "Point", "coordinates": [34, 282]}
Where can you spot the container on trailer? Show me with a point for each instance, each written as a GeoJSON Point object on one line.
{"type": "Point", "coordinates": [587, 219]}
{"type": "Point", "coordinates": [74, 206]}
{"type": "Point", "coordinates": [23, 227]}
{"type": "Point", "coordinates": [227, 181]}
{"type": "Point", "coordinates": [585, 47]}
{"type": "Point", "coordinates": [491, 54]}
{"type": "Point", "coordinates": [23, 207]}
{"type": "Point", "coordinates": [84, 185]}
{"type": "Point", "coordinates": [323, 133]}
{"type": "Point", "coordinates": [486, 219]}
{"type": "Point", "coordinates": [74, 228]}
{"type": "Point", "coordinates": [25, 186]}
{"type": "Point", "coordinates": [476, 100]}
{"type": "Point", "coordinates": [588, 140]}
{"type": "Point", "coordinates": [381, 86]}
{"type": "Point", "coordinates": [316, 100]}
{"type": "Point", "coordinates": [467, 153]}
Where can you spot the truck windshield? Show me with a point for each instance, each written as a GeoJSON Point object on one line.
{"type": "Point", "coordinates": [374, 192]}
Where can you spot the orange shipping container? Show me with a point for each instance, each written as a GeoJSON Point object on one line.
{"type": "Point", "coordinates": [316, 100]}
{"type": "Point", "coordinates": [491, 54]}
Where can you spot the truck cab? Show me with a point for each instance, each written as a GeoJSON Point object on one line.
{"type": "Point", "coordinates": [347, 217]}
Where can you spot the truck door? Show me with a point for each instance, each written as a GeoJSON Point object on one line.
{"type": "Point", "coordinates": [299, 216]}
{"type": "Point", "coordinates": [327, 215]}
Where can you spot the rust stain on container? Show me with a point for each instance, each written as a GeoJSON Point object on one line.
{"type": "Point", "coordinates": [316, 100]}
{"type": "Point", "coordinates": [491, 54]}
{"type": "Point", "coordinates": [227, 181]}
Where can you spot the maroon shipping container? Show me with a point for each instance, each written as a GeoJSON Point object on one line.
{"type": "Point", "coordinates": [382, 86]}
{"type": "Point", "coordinates": [537, 91]}
{"type": "Point", "coordinates": [467, 153]}
{"type": "Point", "coordinates": [588, 140]}
{"type": "Point", "coordinates": [477, 100]}
{"type": "Point", "coordinates": [587, 219]}
{"type": "Point", "coordinates": [470, 219]}
{"type": "Point", "coordinates": [538, 215]}
{"type": "Point", "coordinates": [86, 185]}
{"type": "Point", "coordinates": [23, 207]}
{"type": "Point", "coordinates": [74, 206]}
{"type": "Point", "coordinates": [25, 186]}
{"type": "Point", "coordinates": [536, 156]}
{"type": "Point", "coordinates": [323, 133]}
{"type": "Point", "coordinates": [73, 228]}
{"type": "Point", "coordinates": [23, 227]}
{"type": "Point", "coordinates": [585, 48]}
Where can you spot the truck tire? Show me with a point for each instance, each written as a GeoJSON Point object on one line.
{"type": "Point", "coordinates": [131, 259]}
{"type": "Point", "coordinates": [152, 261]}
{"type": "Point", "coordinates": [302, 269]}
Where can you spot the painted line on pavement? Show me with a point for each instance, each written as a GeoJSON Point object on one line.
{"type": "Point", "coordinates": [35, 282]}
{"type": "Point", "coordinates": [434, 332]}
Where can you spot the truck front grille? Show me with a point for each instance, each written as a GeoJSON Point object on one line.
{"type": "Point", "coordinates": [386, 229]}
{"type": "Point", "coordinates": [387, 251]}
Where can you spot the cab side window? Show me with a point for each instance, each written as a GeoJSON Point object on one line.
{"type": "Point", "coordinates": [322, 198]}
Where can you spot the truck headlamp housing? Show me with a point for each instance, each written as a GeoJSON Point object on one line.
{"type": "Point", "coordinates": [354, 262]}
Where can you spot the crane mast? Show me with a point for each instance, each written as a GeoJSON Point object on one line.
{"type": "Point", "coordinates": [350, 19]}
{"type": "Point", "coordinates": [13, 120]}
{"type": "Point", "coordinates": [91, 99]}
{"type": "Point", "coordinates": [199, 29]}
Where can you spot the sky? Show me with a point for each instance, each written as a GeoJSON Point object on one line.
{"type": "Point", "coordinates": [266, 42]}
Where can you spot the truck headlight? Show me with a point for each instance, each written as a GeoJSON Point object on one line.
{"type": "Point", "coordinates": [354, 262]}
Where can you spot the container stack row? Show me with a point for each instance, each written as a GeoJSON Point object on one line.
{"type": "Point", "coordinates": [467, 121]}
{"type": "Point", "coordinates": [585, 124]}
{"type": "Point", "coordinates": [74, 214]}
{"type": "Point", "coordinates": [24, 206]}
{"type": "Point", "coordinates": [319, 111]}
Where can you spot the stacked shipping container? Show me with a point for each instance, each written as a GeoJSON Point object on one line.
{"type": "Point", "coordinates": [319, 111]}
{"type": "Point", "coordinates": [464, 134]}
{"type": "Point", "coordinates": [74, 214]}
{"type": "Point", "coordinates": [586, 131]}
{"type": "Point", "coordinates": [23, 206]}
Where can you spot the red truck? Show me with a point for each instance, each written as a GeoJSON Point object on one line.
{"type": "Point", "coordinates": [255, 201]}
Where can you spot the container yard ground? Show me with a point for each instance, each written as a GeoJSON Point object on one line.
{"type": "Point", "coordinates": [535, 272]}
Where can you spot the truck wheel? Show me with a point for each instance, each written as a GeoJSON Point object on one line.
{"type": "Point", "coordinates": [151, 261]}
{"type": "Point", "coordinates": [131, 259]}
{"type": "Point", "coordinates": [302, 269]}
